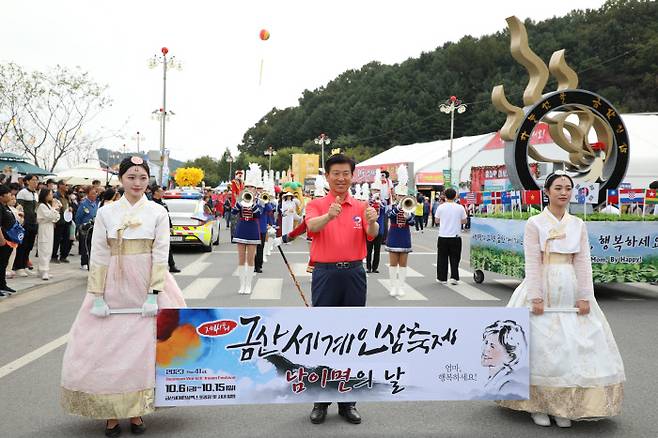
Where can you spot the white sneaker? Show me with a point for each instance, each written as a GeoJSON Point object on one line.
{"type": "Point", "coordinates": [45, 276]}
{"type": "Point", "coordinates": [562, 422]}
{"type": "Point", "coordinates": [22, 273]}
{"type": "Point", "coordinates": [541, 419]}
{"type": "Point", "coordinates": [454, 282]}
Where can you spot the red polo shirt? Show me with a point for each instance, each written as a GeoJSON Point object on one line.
{"type": "Point", "coordinates": [343, 239]}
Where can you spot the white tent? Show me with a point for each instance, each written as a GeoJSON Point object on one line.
{"type": "Point", "coordinates": [85, 173]}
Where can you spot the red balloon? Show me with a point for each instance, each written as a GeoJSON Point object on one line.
{"type": "Point", "coordinates": [264, 35]}
{"type": "Point", "coordinates": [165, 50]}
{"type": "Point", "coordinates": [453, 98]}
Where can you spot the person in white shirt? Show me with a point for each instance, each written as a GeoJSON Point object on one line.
{"type": "Point", "coordinates": [450, 216]}
{"type": "Point", "coordinates": [610, 209]}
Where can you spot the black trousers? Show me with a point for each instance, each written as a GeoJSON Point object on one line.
{"type": "Point", "coordinates": [258, 262]}
{"type": "Point", "coordinates": [332, 287]}
{"type": "Point", "coordinates": [172, 262]}
{"type": "Point", "coordinates": [419, 222]}
{"type": "Point", "coordinates": [23, 250]}
{"type": "Point", "coordinates": [448, 248]}
{"type": "Point", "coordinates": [5, 253]}
{"type": "Point", "coordinates": [62, 240]}
{"type": "Point", "coordinates": [85, 246]}
{"type": "Point", "coordinates": [374, 248]}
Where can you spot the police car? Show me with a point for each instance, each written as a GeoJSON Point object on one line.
{"type": "Point", "coordinates": [192, 223]}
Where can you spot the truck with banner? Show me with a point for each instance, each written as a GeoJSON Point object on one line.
{"type": "Point", "coordinates": [622, 251]}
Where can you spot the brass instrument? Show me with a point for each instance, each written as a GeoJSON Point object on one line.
{"type": "Point", "coordinates": [265, 197]}
{"type": "Point", "coordinates": [247, 199]}
{"type": "Point", "coordinates": [408, 204]}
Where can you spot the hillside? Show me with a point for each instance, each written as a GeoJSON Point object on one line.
{"type": "Point", "coordinates": [613, 49]}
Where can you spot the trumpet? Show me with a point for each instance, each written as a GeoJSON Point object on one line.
{"type": "Point", "coordinates": [247, 199]}
{"type": "Point", "coordinates": [264, 198]}
{"type": "Point", "coordinates": [408, 204]}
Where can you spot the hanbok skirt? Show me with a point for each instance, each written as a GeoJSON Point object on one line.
{"type": "Point", "coordinates": [247, 232]}
{"type": "Point", "coordinates": [109, 364]}
{"type": "Point", "coordinates": [398, 240]}
{"type": "Point", "coordinates": [576, 371]}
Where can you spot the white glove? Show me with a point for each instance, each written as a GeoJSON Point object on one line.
{"type": "Point", "coordinates": [271, 231]}
{"type": "Point", "coordinates": [99, 307]}
{"type": "Point", "coordinates": [277, 242]}
{"type": "Point", "coordinates": [150, 306]}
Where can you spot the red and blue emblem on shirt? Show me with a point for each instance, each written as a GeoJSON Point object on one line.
{"type": "Point", "coordinates": [357, 222]}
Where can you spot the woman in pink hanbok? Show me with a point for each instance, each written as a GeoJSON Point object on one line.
{"type": "Point", "coordinates": [109, 364]}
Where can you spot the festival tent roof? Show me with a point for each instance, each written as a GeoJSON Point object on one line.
{"type": "Point", "coordinates": [420, 154]}
{"type": "Point", "coordinates": [86, 173]}
{"type": "Point", "coordinates": [490, 152]}
{"type": "Point", "coordinates": [19, 164]}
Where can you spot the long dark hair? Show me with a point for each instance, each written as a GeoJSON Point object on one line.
{"type": "Point", "coordinates": [43, 194]}
{"type": "Point", "coordinates": [108, 194]}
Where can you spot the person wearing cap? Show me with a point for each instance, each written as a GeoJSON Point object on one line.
{"type": "Point", "coordinates": [264, 221]}
{"type": "Point", "coordinates": [338, 275]}
{"type": "Point", "coordinates": [288, 212]}
{"type": "Point", "coordinates": [247, 230]}
{"type": "Point", "coordinates": [373, 247]}
{"type": "Point", "coordinates": [398, 242]}
{"type": "Point", "coordinates": [62, 234]}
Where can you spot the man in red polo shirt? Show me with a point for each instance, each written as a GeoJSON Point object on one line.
{"type": "Point", "coordinates": [339, 226]}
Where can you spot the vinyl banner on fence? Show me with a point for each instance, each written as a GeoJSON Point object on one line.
{"type": "Point", "coordinates": [289, 355]}
{"type": "Point", "coordinates": [620, 251]}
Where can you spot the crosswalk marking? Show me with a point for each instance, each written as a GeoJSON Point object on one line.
{"type": "Point", "coordinates": [299, 269]}
{"type": "Point", "coordinates": [413, 273]}
{"type": "Point", "coordinates": [267, 289]}
{"type": "Point", "coordinates": [410, 294]}
{"type": "Point", "coordinates": [469, 292]}
{"type": "Point", "coordinates": [195, 269]}
{"type": "Point", "coordinates": [200, 288]}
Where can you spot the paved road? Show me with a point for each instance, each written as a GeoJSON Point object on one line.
{"type": "Point", "coordinates": [33, 327]}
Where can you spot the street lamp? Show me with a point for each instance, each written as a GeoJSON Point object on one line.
{"type": "Point", "coordinates": [138, 137]}
{"type": "Point", "coordinates": [322, 140]}
{"type": "Point", "coordinates": [166, 63]}
{"type": "Point", "coordinates": [229, 160]}
{"type": "Point", "coordinates": [269, 152]}
{"type": "Point", "coordinates": [449, 107]}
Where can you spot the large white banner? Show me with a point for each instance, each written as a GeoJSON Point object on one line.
{"type": "Point", "coordinates": [290, 355]}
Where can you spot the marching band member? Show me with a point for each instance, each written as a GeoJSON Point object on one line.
{"type": "Point", "coordinates": [374, 247]}
{"type": "Point", "coordinates": [264, 221]}
{"type": "Point", "coordinates": [576, 371]}
{"type": "Point", "coordinates": [398, 243]}
{"type": "Point", "coordinates": [247, 231]}
{"type": "Point", "coordinates": [109, 365]}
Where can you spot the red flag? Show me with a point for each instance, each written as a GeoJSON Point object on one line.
{"type": "Point", "coordinates": [496, 198]}
{"type": "Point", "coordinates": [478, 198]}
{"type": "Point", "coordinates": [532, 197]}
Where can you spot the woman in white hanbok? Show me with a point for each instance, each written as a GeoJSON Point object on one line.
{"type": "Point", "coordinates": [576, 371]}
{"type": "Point", "coordinates": [289, 213]}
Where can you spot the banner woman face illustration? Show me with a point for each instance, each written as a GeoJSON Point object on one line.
{"type": "Point", "coordinates": [494, 355]}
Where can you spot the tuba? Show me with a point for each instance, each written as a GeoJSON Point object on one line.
{"type": "Point", "coordinates": [408, 204]}
{"type": "Point", "coordinates": [247, 199]}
